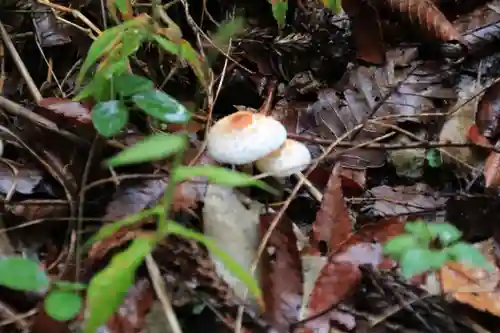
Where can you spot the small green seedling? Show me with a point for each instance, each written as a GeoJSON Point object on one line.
{"type": "Point", "coordinates": [62, 302]}
{"type": "Point", "coordinates": [428, 246]}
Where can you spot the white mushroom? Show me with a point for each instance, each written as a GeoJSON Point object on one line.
{"type": "Point", "coordinates": [244, 137]}
{"type": "Point", "coordinates": [292, 157]}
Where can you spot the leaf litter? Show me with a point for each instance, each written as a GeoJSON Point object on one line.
{"type": "Point", "coordinates": [374, 88]}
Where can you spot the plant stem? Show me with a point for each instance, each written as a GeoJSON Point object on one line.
{"type": "Point", "coordinates": [163, 209]}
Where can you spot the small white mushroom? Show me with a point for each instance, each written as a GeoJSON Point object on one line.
{"type": "Point", "coordinates": [292, 157]}
{"type": "Point", "coordinates": [244, 137]}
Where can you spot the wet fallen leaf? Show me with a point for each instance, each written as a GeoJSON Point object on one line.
{"type": "Point", "coordinates": [480, 28]}
{"type": "Point", "coordinates": [67, 114]}
{"type": "Point", "coordinates": [488, 112]}
{"type": "Point", "coordinates": [401, 200]}
{"type": "Point", "coordinates": [492, 170]}
{"type": "Point", "coordinates": [281, 274]}
{"type": "Point", "coordinates": [19, 178]}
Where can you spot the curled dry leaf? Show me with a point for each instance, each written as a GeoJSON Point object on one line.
{"type": "Point", "coordinates": [488, 112]}
{"type": "Point", "coordinates": [333, 224]}
{"type": "Point", "coordinates": [424, 16]}
{"type": "Point", "coordinates": [49, 32]}
{"type": "Point", "coordinates": [281, 274]}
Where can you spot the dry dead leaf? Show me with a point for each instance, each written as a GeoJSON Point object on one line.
{"type": "Point", "coordinates": [476, 287]}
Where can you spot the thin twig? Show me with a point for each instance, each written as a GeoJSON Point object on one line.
{"type": "Point", "coordinates": [35, 93]}
{"type": "Point", "coordinates": [154, 272]}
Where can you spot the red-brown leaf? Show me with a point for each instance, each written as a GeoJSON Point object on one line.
{"type": "Point", "coordinates": [333, 224]}
{"type": "Point", "coordinates": [67, 114]}
{"type": "Point", "coordinates": [336, 281]}
{"type": "Point", "coordinates": [281, 274]}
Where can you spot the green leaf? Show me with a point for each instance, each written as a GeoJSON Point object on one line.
{"type": "Point", "coordinates": [152, 148]}
{"type": "Point", "coordinates": [62, 305]}
{"type": "Point", "coordinates": [279, 7]}
{"type": "Point", "coordinates": [114, 68]}
{"type": "Point", "coordinates": [418, 261]}
{"type": "Point", "coordinates": [128, 84]}
{"type": "Point", "coordinates": [228, 30]}
{"type": "Point", "coordinates": [468, 254]}
{"type": "Point", "coordinates": [109, 40]}
{"type": "Point", "coordinates": [161, 106]}
{"type": "Point", "coordinates": [122, 6]}
{"type": "Point", "coordinates": [220, 176]}
{"type": "Point", "coordinates": [108, 288]}
{"type": "Point", "coordinates": [445, 232]}
{"type": "Point", "coordinates": [103, 44]}
{"type": "Point", "coordinates": [334, 5]}
{"type": "Point", "coordinates": [19, 273]}
{"type": "Point", "coordinates": [99, 88]}
{"type": "Point", "coordinates": [236, 269]}
{"type": "Point", "coordinates": [109, 229]}
{"type": "Point", "coordinates": [398, 245]}
{"type": "Point", "coordinates": [70, 286]}
{"type": "Point", "coordinates": [109, 117]}
{"type": "Point", "coordinates": [419, 230]}
{"type": "Point", "coordinates": [185, 51]}
{"type": "Point", "coordinates": [434, 158]}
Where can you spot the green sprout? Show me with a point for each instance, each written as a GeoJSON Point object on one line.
{"type": "Point", "coordinates": [428, 246]}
